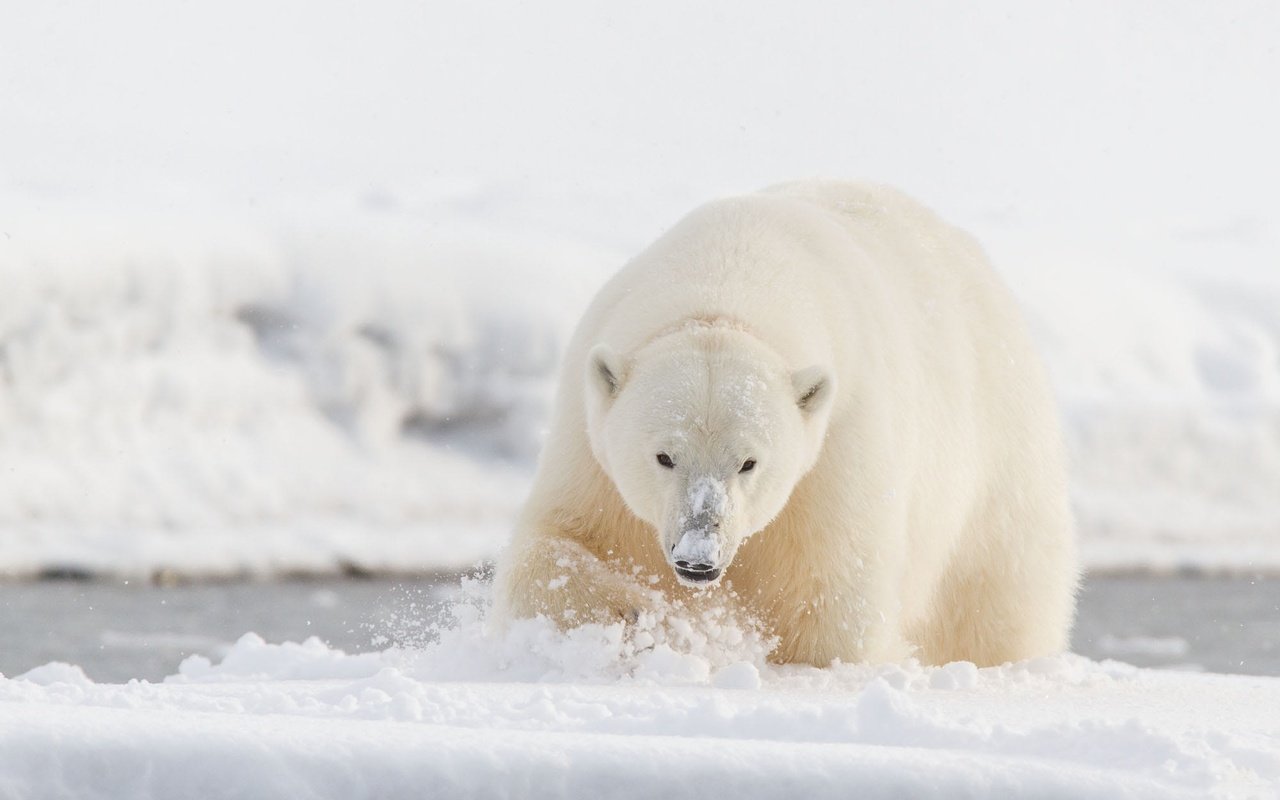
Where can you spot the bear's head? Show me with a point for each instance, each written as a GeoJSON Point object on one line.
{"type": "Point", "coordinates": [705, 432]}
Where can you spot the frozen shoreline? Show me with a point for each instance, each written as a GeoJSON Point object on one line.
{"type": "Point", "coordinates": [348, 551]}
{"type": "Point", "coordinates": [539, 713]}
{"type": "Point", "coordinates": [117, 629]}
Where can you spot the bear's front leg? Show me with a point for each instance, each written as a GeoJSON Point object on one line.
{"type": "Point", "coordinates": [553, 576]}
{"type": "Point", "coordinates": [834, 623]}
{"type": "Point", "coordinates": [843, 606]}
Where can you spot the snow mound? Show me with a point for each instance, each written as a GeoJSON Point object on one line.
{"type": "Point", "coordinates": [1164, 349]}
{"type": "Point", "coordinates": [230, 398]}
{"type": "Point", "coordinates": [668, 646]}
{"type": "Point", "coordinates": [533, 713]}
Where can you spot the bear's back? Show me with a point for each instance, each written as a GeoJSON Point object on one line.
{"type": "Point", "coordinates": [858, 277]}
{"type": "Point", "coordinates": [899, 233]}
{"type": "Point", "coordinates": [781, 264]}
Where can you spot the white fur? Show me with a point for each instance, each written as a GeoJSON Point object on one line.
{"type": "Point", "coordinates": [908, 495]}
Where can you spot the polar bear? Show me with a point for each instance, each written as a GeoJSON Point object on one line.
{"type": "Point", "coordinates": [819, 406]}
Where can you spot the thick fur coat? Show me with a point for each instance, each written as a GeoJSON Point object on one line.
{"type": "Point", "coordinates": [819, 406]}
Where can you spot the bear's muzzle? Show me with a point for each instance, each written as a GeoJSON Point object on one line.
{"type": "Point", "coordinates": [696, 556]}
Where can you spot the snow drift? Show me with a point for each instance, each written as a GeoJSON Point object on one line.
{"type": "Point", "coordinates": [365, 387]}
{"type": "Point", "coordinates": [676, 708]}
{"type": "Point", "coordinates": [220, 399]}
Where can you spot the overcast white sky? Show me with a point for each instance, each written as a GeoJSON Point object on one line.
{"type": "Point", "coordinates": [1095, 110]}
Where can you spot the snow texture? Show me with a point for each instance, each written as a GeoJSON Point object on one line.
{"type": "Point", "coordinates": [704, 507]}
{"type": "Point", "coordinates": [674, 708]}
{"type": "Point", "coordinates": [698, 546]}
{"type": "Point", "coordinates": [222, 401]}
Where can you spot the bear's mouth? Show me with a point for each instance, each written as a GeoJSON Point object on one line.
{"type": "Point", "coordinates": [698, 576]}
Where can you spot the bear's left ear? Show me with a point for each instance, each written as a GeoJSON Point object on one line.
{"type": "Point", "coordinates": [813, 388]}
{"type": "Point", "coordinates": [604, 371]}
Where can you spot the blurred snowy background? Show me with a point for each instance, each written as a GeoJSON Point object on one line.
{"type": "Point", "coordinates": [283, 286]}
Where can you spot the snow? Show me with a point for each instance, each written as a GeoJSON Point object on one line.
{"type": "Point", "coordinates": [705, 503]}
{"type": "Point", "coordinates": [698, 546]}
{"type": "Point", "coordinates": [707, 496]}
{"type": "Point", "coordinates": [283, 288]}
{"type": "Point", "coordinates": [694, 712]}
{"type": "Point", "coordinates": [221, 401]}
{"type": "Point", "coordinates": [293, 301]}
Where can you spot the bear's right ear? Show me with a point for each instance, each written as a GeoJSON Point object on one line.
{"type": "Point", "coordinates": [813, 387]}
{"type": "Point", "coordinates": [604, 371]}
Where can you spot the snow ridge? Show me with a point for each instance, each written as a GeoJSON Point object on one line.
{"type": "Point", "coordinates": [539, 713]}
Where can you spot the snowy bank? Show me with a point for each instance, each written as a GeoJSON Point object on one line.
{"type": "Point", "coordinates": [363, 386]}
{"type": "Point", "coordinates": [673, 710]}
{"type": "Point", "coordinates": [219, 398]}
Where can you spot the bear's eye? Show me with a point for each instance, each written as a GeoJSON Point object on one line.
{"type": "Point", "coordinates": [665, 460]}
{"type": "Point", "coordinates": [748, 465]}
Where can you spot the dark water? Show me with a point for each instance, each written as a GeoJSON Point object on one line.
{"type": "Point", "coordinates": [118, 630]}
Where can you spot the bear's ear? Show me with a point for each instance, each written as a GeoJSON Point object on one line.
{"type": "Point", "coordinates": [604, 371]}
{"type": "Point", "coordinates": [813, 387]}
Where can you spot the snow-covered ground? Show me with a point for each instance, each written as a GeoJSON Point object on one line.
{"type": "Point", "coordinates": [676, 708]}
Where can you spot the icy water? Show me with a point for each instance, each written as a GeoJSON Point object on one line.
{"type": "Point", "coordinates": [117, 630]}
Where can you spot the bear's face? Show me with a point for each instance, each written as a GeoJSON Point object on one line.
{"type": "Point", "coordinates": [705, 436]}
